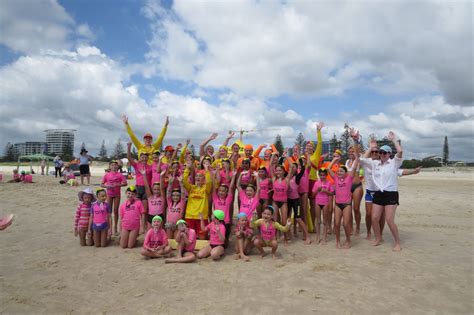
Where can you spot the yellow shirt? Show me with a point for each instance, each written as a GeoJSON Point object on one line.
{"type": "Point", "coordinates": [198, 197]}
{"type": "Point", "coordinates": [141, 146]}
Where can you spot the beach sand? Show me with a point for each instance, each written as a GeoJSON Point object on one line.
{"type": "Point", "coordinates": [44, 270]}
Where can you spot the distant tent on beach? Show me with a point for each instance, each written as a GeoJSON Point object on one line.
{"type": "Point", "coordinates": [36, 158]}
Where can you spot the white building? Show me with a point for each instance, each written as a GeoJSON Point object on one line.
{"type": "Point", "coordinates": [58, 138]}
{"type": "Point", "coordinates": [31, 147]}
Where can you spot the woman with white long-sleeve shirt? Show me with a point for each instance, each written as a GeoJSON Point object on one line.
{"type": "Point", "coordinates": [385, 198]}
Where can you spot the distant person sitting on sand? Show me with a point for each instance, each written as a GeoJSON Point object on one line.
{"type": "Point", "coordinates": [27, 178]}
{"type": "Point", "coordinates": [16, 177]}
{"type": "Point", "coordinates": [147, 146]}
{"type": "Point", "coordinates": [68, 176]}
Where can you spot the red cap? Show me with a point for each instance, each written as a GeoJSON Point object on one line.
{"type": "Point", "coordinates": [169, 148]}
{"type": "Point", "coordinates": [147, 135]}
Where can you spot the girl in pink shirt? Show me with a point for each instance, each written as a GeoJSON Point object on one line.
{"type": "Point", "coordinates": [132, 215]}
{"type": "Point", "coordinates": [243, 232]}
{"type": "Point", "coordinates": [294, 201]}
{"type": "Point", "coordinates": [155, 199]}
{"type": "Point", "coordinates": [343, 210]}
{"type": "Point", "coordinates": [186, 242]}
{"type": "Point", "coordinates": [280, 190]}
{"type": "Point", "coordinates": [156, 244]}
{"type": "Point", "coordinates": [216, 229]}
{"type": "Point", "coordinates": [249, 197]}
{"type": "Point", "coordinates": [81, 221]}
{"type": "Point", "coordinates": [113, 181]}
{"type": "Point", "coordinates": [322, 190]}
{"type": "Point", "coordinates": [176, 204]}
{"type": "Point", "coordinates": [223, 199]}
{"type": "Point", "coordinates": [265, 189]}
{"type": "Point", "coordinates": [100, 219]}
{"type": "Point", "coordinates": [268, 227]}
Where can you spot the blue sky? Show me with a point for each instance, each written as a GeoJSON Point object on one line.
{"type": "Point", "coordinates": [214, 66]}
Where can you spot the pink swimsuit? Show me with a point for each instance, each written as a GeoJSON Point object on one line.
{"type": "Point", "coordinates": [280, 190]}
{"type": "Point", "coordinates": [248, 205]}
{"type": "Point", "coordinates": [267, 233]}
{"type": "Point", "coordinates": [223, 204]}
{"type": "Point", "coordinates": [265, 186]}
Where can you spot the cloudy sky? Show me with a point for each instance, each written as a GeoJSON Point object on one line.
{"type": "Point", "coordinates": [278, 67]}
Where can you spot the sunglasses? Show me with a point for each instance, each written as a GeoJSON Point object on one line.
{"type": "Point", "coordinates": [383, 152]}
{"type": "Point", "coordinates": [376, 151]}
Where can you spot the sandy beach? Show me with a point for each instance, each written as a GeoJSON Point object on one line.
{"type": "Point", "coordinates": [44, 270]}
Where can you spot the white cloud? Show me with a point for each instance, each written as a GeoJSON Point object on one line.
{"type": "Point", "coordinates": [317, 48]}
{"type": "Point", "coordinates": [42, 25]}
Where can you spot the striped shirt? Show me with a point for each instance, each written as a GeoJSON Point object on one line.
{"type": "Point", "coordinates": [82, 216]}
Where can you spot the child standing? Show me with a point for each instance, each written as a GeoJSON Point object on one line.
{"type": "Point", "coordinates": [113, 181]}
{"type": "Point", "coordinates": [222, 199]}
{"type": "Point", "coordinates": [155, 198]}
{"type": "Point", "coordinates": [155, 244]}
{"type": "Point", "coordinates": [343, 210]}
{"type": "Point", "coordinates": [186, 242]}
{"type": "Point", "coordinates": [176, 203]}
{"type": "Point", "coordinates": [268, 227]}
{"type": "Point", "coordinates": [100, 220]}
{"type": "Point", "coordinates": [216, 228]}
{"type": "Point", "coordinates": [81, 221]}
{"type": "Point", "coordinates": [131, 216]}
{"type": "Point", "coordinates": [322, 191]}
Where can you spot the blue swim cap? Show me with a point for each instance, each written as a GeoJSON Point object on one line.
{"type": "Point", "coordinates": [241, 215]}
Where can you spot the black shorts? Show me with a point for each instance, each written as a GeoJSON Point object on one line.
{"type": "Point", "coordinates": [355, 186]}
{"type": "Point", "coordinates": [279, 203]}
{"type": "Point", "coordinates": [84, 169]}
{"type": "Point", "coordinates": [141, 194]}
{"type": "Point", "coordinates": [385, 198]}
{"type": "Point", "coordinates": [228, 227]}
{"type": "Point", "coordinates": [216, 245]}
{"type": "Point", "coordinates": [294, 205]}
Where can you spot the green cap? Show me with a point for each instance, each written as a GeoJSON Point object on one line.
{"type": "Point", "coordinates": [219, 214]}
{"type": "Point", "coordinates": [181, 222]}
{"type": "Point", "coordinates": [156, 218]}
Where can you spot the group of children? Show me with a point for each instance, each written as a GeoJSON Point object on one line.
{"type": "Point", "coordinates": [179, 201]}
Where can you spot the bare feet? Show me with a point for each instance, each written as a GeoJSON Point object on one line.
{"type": "Point", "coordinates": [317, 240]}
{"type": "Point", "coordinates": [357, 232]}
{"type": "Point", "coordinates": [376, 242]}
{"type": "Point", "coordinates": [274, 256]}
{"type": "Point", "coordinates": [262, 254]}
{"type": "Point", "coordinates": [323, 242]}
{"type": "Point", "coordinates": [245, 257]}
{"type": "Point", "coordinates": [338, 245]}
{"type": "Point", "coordinates": [397, 248]}
{"type": "Point", "coordinates": [347, 245]}
{"type": "Point", "coordinates": [237, 256]}
{"type": "Point", "coordinates": [369, 237]}
{"type": "Point", "coordinates": [308, 241]}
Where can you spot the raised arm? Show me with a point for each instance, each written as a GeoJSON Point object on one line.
{"type": "Point", "coordinates": [334, 160]}
{"type": "Point", "coordinates": [229, 136]}
{"type": "Point", "coordinates": [256, 153]}
{"type": "Point", "coordinates": [159, 141]}
{"type": "Point", "coordinates": [129, 153]}
{"type": "Point", "coordinates": [319, 147]}
{"type": "Point", "coordinates": [203, 145]}
{"type": "Point", "coordinates": [183, 152]}
{"type": "Point", "coordinates": [392, 137]}
{"type": "Point", "coordinates": [130, 132]}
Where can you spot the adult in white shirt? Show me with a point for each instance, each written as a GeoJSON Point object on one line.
{"type": "Point", "coordinates": [384, 174]}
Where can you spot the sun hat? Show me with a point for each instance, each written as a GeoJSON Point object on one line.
{"type": "Point", "coordinates": [87, 190]}
{"type": "Point", "coordinates": [386, 148]}
{"type": "Point", "coordinates": [219, 214]}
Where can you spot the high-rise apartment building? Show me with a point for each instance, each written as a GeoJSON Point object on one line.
{"type": "Point", "coordinates": [57, 139]}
